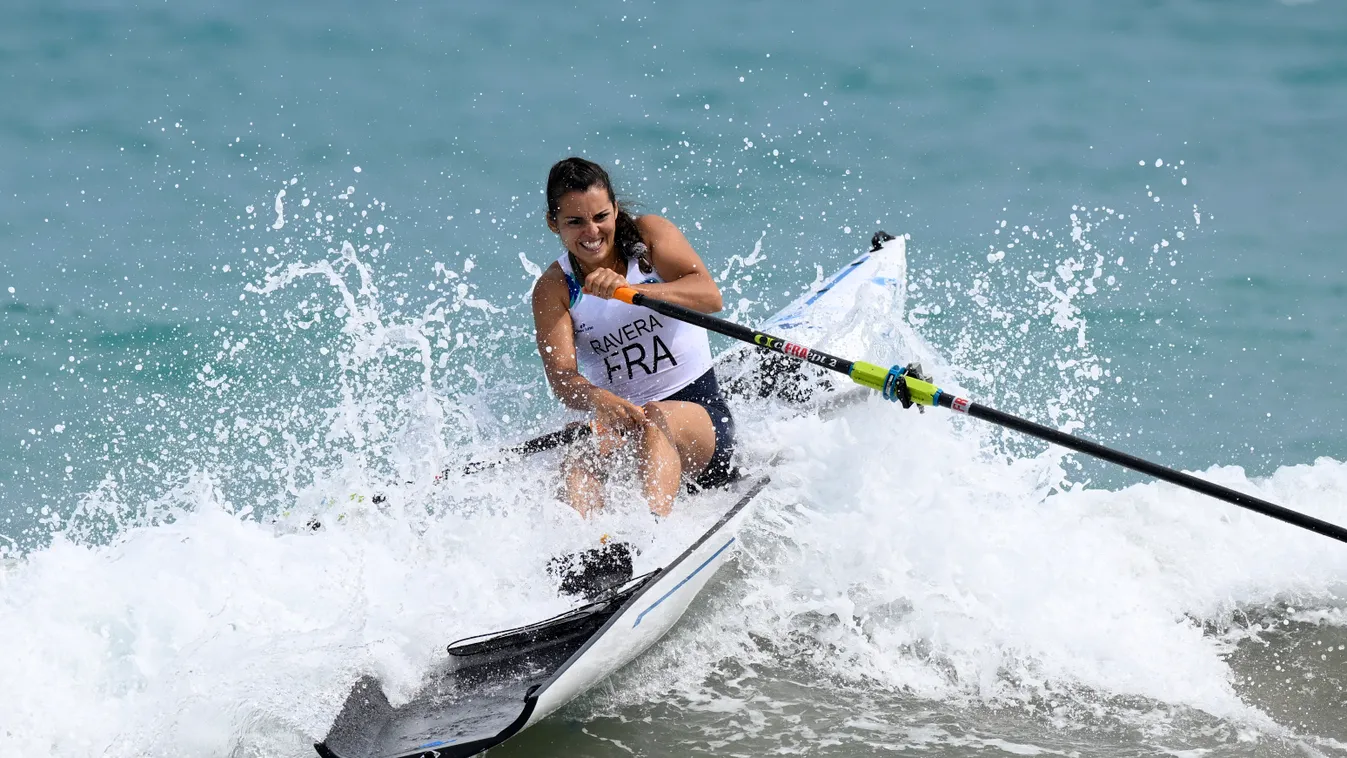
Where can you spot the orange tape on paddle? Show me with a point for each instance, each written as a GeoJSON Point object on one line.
{"type": "Point", "coordinates": [625, 294]}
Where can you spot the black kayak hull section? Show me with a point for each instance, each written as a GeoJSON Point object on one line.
{"type": "Point", "coordinates": [495, 685]}
{"type": "Point", "coordinates": [490, 684]}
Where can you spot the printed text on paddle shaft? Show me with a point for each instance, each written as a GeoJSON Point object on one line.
{"type": "Point", "coordinates": [621, 344]}
{"type": "Point", "coordinates": [794, 350]}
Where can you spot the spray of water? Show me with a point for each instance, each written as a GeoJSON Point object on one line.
{"type": "Point", "coordinates": [912, 560]}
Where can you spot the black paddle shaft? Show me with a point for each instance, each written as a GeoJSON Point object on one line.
{"type": "Point", "coordinates": [1163, 473]}
{"type": "Point", "coordinates": [538, 444]}
{"type": "Point", "coordinates": [547, 441]}
{"type": "Point", "coordinates": [1024, 426]}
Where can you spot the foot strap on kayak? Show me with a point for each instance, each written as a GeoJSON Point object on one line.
{"type": "Point", "coordinates": [592, 572]}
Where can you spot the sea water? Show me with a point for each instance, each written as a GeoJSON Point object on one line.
{"type": "Point", "coordinates": [263, 263]}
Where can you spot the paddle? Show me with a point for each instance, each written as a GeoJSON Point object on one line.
{"type": "Point", "coordinates": [547, 441]}
{"type": "Point", "coordinates": [897, 385]}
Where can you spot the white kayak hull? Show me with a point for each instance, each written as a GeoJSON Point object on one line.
{"type": "Point", "coordinates": [650, 614]}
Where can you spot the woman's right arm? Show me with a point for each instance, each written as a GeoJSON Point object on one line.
{"type": "Point", "coordinates": [556, 347]}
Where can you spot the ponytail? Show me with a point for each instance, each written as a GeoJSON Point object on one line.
{"type": "Point", "coordinates": [629, 242]}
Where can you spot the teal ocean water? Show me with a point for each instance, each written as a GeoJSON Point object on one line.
{"type": "Point", "coordinates": [261, 258]}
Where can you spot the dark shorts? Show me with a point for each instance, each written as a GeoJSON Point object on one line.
{"type": "Point", "coordinates": [705, 391]}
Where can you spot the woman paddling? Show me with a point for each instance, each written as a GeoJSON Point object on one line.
{"type": "Point", "coordinates": [647, 378]}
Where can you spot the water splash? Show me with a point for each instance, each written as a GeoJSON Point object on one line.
{"type": "Point", "coordinates": [912, 560]}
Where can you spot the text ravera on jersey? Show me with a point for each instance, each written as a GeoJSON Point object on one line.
{"type": "Point", "coordinates": [623, 348]}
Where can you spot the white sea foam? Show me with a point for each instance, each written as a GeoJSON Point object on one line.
{"type": "Point", "coordinates": [901, 551]}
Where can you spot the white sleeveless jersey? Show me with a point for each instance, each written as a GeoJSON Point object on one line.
{"type": "Point", "coordinates": [633, 352]}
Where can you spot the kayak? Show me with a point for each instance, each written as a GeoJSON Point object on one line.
{"type": "Point", "coordinates": [493, 686]}
{"type": "Point", "coordinates": [498, 684]}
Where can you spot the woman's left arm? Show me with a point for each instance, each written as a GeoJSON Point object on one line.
{"type": "Point", "coordinates": [686, 279]}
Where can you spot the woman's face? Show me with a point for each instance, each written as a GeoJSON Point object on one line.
{"type": "Point", "coordinates": [587, 223]}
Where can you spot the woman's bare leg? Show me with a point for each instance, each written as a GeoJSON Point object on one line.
{"type": "Point", "coordinates": [584, 470]}
{"type": "Point", "coordinates": [583, 487]}
{"type": "Point", "coordinates": [678, 438]}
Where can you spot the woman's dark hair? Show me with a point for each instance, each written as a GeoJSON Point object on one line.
{"type": "Point", "coordinates": [579, 175]}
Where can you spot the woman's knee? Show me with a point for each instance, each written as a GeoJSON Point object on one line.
{"type": "Point", "coordinates": [655, 419]}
